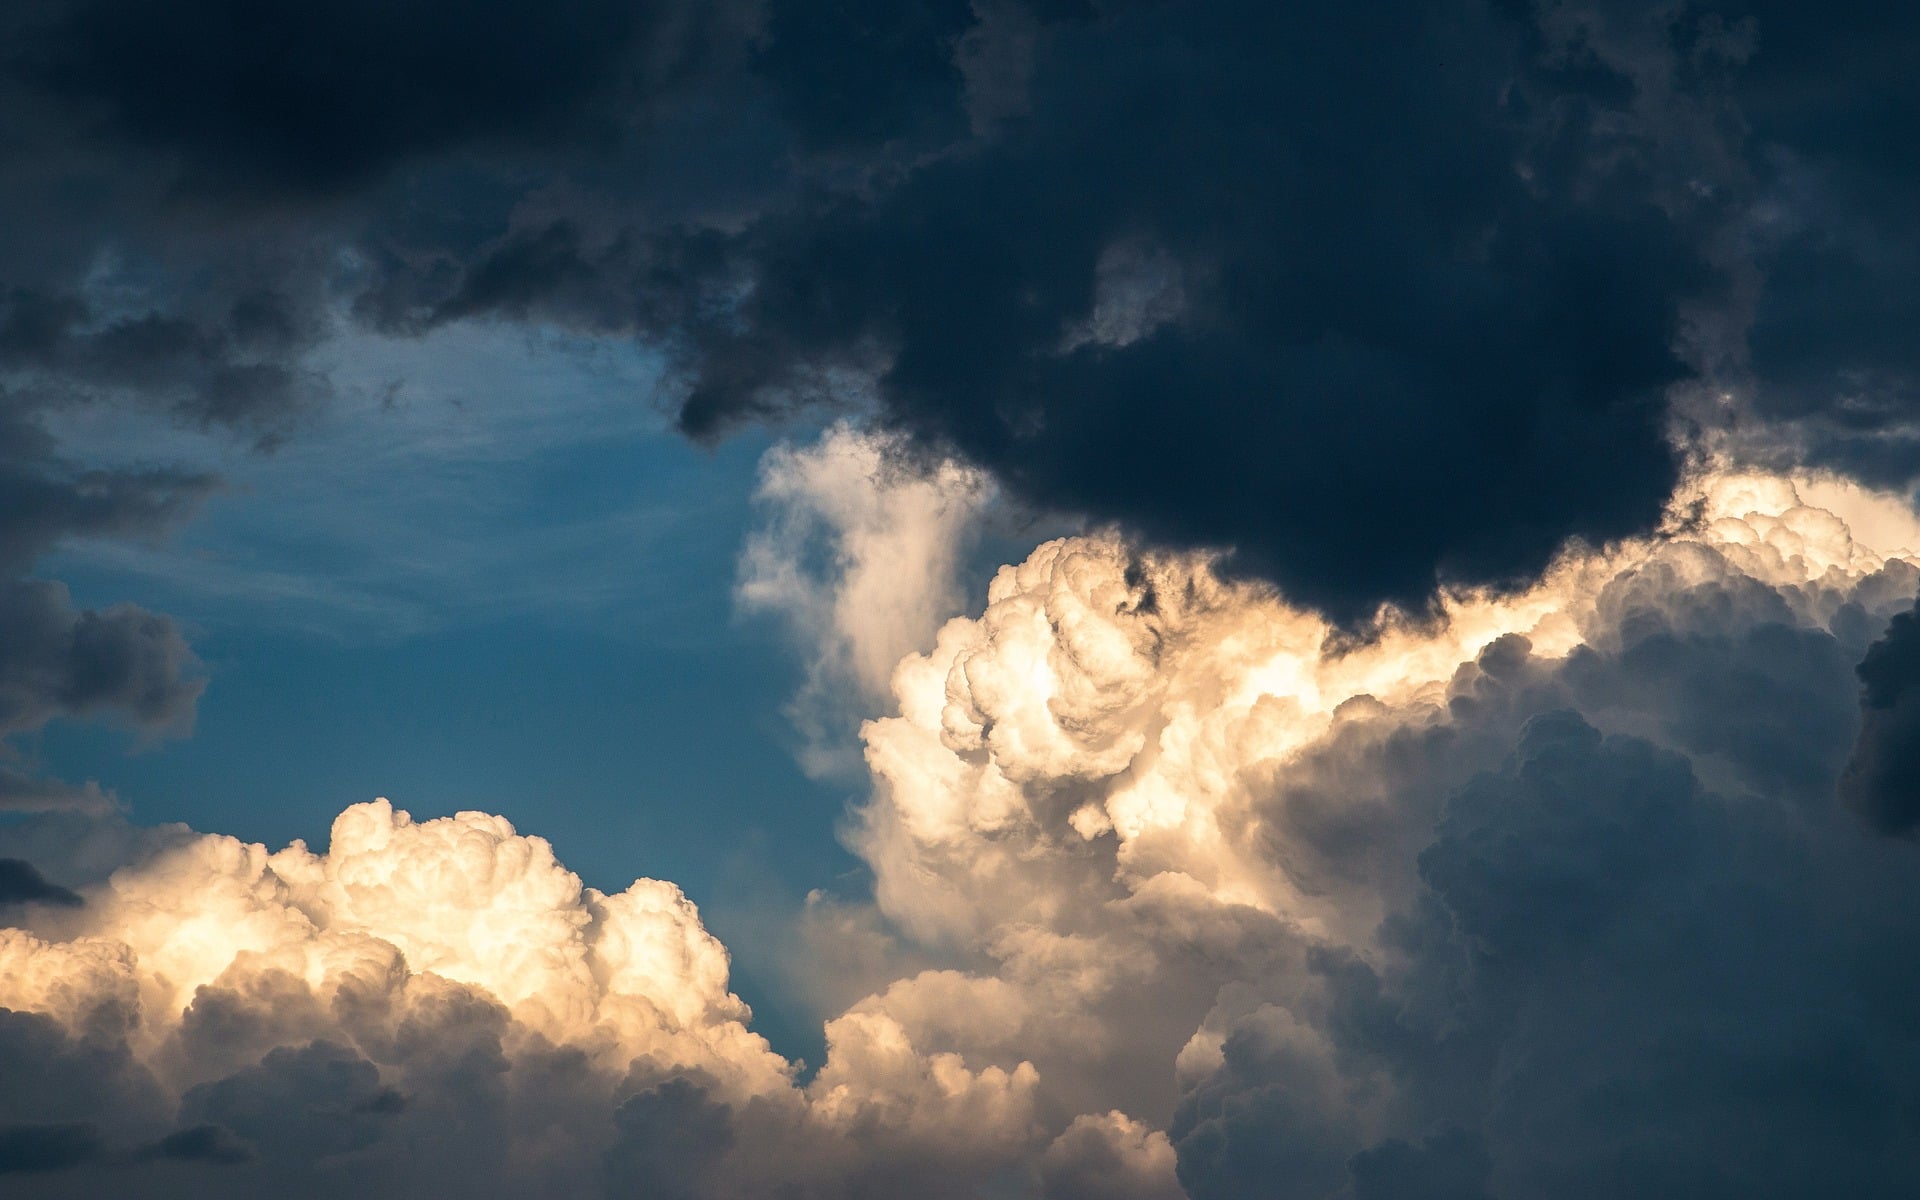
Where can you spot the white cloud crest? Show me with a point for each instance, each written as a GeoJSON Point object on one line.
{"type": "Point", "coordinates": [860, 558]}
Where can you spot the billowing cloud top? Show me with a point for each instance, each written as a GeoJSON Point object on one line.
{"type": "Point", "coordinates": [1547, 895]}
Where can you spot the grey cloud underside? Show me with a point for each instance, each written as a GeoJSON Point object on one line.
{"type": "Point", "coordinates": [1607, 978]}
{"type": "Point", "coordinates": [1284, 279]}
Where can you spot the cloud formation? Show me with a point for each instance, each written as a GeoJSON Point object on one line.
{"type": "Point", "coordinates": [61, 660]}
{"type": "Point", "coordinates": [860, 557]}
{"type": "Point", "coordinates": [190, 205]}
{"type": "Point", "coordinates": [1267, 280]}
{"type": "Point", "coordinates": [1545, 902]}
{"type": "Point", "coordinates": [1258, 337]}
{"type": "Point", "coordinates": [436, 1001]}
{"type": "Point", "coordinates": [1192, 893]}
{"type": "Point", "coordinates": [1882, 778]}
{"type": "Point", "coordinates": [1566, 343]}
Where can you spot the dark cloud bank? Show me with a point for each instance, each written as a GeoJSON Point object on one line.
{"type": "Point", "coordinates": [1290, 279]}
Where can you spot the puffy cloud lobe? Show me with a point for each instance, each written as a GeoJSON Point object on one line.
{"type": "Point", "coordinates": [1109, 1157]}
{"type": "Point", "coordinates": [322, 1010]}
{"type": "Point", "coordinates": [465, 901]}
{"type": "Point", "coordinates": [1105, 693]}
{"type": "Point", "coordinates": [860, 557]}
{"type": "Point", "coordinates": [61, 660]}
{"type": "Point", "coordinates": [441, 1000]}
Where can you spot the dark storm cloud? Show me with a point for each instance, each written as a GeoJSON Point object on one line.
{"type": "Point", "coordinates": [34, 1148]}
{"type": "Point", "coordinates": [1655, 1050]}
{"type": "Point", "coordinates": [1882, 778]}
{"type": "Point", "coordinates": [1287, 280]}
{"type": "Point", "coordinates": [1208, 286]}
{"type": "Point", "coordinates": [1621, 983]}
{"type": "Point", "coordinates": [24, 791]}
{"type": "Point", "coordinates": [1293, 280]}
{"type": "Point", "coordinates": [225, 371]}
{"type": "Point", "coordinates": [45, 499]}
{"type": "Point", "coordinates": [296, 100]}
{"type": "Point", "coordinates": [1833, 105]}
{"type": "Point", "coordinates": [1372, 296]}
{"type": "Point", "coordinates": [191, 193]}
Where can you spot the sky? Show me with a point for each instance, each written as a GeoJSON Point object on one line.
{"type": "Point", "coordinates": [1043, 599]}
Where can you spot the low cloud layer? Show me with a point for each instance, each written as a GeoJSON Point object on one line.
{"type": "Point", "coordinates": [1178, 890]}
